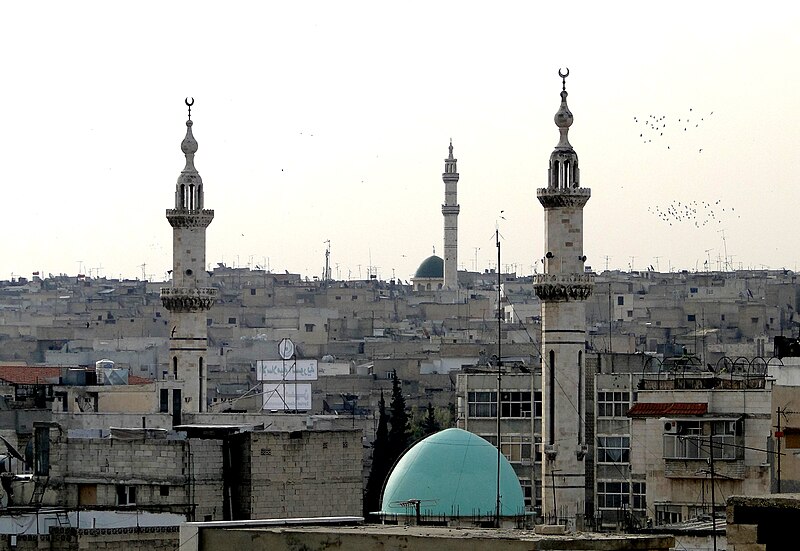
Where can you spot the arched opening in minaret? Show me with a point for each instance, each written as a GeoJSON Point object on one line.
{"type": "Point", "coordinates": [182, 199]}
{"type": "Point", "coordinates": [199, 202]}
{"type": "Point", "coordinates": [554, 172]}
{"type": "Point", "coordinates": [551, 398]}
{"type": "Point", "coordinates": [579, 397]}
{"type": "Point", "coordinates": [191, 196]}
{"type": "Point", "coordinates": [201, 378]}
{"type": "Point", "coordinates": [175, 367]}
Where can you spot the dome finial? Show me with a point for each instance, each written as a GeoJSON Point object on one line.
{"type": "Point", "coordinates": [189, 148]}
{"type": "Point", "coordinates": [563, 118]}
{"type": "Point", "coordinates": [563, 79]}
{"type": "Point", "coordinates": [190, 103]}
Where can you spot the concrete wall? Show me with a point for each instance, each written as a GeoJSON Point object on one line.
{"type": "Point", "coordinates": [368, 538]}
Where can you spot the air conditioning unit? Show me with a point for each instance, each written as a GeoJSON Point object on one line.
{"type": "Point", "coordinates": [670, 427]}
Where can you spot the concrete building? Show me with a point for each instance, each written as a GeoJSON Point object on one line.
{"type": "Point", "coordinates": [520, 421]}
{"type": "Point", "coordinates": [698, 436]}
{"type": "Point", "coordinates": [563, 288]}
{"type": "Point", "coordinates": [450, 210]}
{"type": "Point", "coordinates": [190, 297]}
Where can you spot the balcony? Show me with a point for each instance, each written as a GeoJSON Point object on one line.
{"type": "Point", "coordinates": [563, 287]}
{"type": "Point", "coordinates": [188, 299]}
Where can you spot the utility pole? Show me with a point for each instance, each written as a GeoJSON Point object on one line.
{"type": "Point", "coordinates": [713, 494]}
{"type": "Point", "coordinates": [499, 371]}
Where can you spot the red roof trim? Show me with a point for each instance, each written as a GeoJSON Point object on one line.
{"type": "Point", "coordinates": [673, 409]}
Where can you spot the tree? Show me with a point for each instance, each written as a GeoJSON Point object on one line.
{"type": "Point", "coordinates": [429, 423]}
{"type": "Point", "coordinates": [399, 433]}
{"type": "Point", "coordinates": [380, 462]}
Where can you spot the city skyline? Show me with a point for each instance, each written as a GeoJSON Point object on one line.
{"type": "Point", "coordinates": [331, 123]}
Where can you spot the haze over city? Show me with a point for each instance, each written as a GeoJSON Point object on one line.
{"type": "Point", "coordinates": [321, 121]}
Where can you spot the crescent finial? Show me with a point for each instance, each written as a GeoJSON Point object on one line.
{"type": "Point", "coordinates": [562, 75]}
{"type": "Point", "coordinates": [189, 105]}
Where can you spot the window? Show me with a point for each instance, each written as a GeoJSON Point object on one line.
{"type": "Point", "coordinates": [527, 491]}
{"type": "Point", "coordinates": [163, 406]}
{"type": "Point", "coordinates": [164, 490]}
{"type": "Point", "coordinates": [515, 404]}
{"type": "Point", "coordinates": [232, 321]}
{"type": "Point", "coordinates": [516, 448]}
{"type": "Point", "coordinates": [691, 317]}
{"type": "Point", "coordinates": [613, 404]}
{"type": "Point", "coordinates": [613, 449]}
{"type": "Point", "coordinates": [482, 404]}
{"type": "Point", "coordinates": [613, 495]}
{"type": "Point", "coordinates": [309, 328]}
{"type": "Point", "coordinates": [692, 289]}
{"type": "Point", "coordinates": [792, 438]}
{"type": "Point", "coordinates": [629, 313]}
{"type": "Point", "coordinates": [754, 320]}
{"type": "Point", "coordinates": [252, 292]}
{"type": "Point", "coordinates": [42, 447]}
{"type": "Point", "coordinates": [126, 495]}
{"type": "Point", "coordinates": [354, 297]}
{"type": "Point", "coordinates": [639, 496]}
{"type": "Point", "coordinates": [537, 404]}
{"type": "Point", "coordinates": [620, 301]}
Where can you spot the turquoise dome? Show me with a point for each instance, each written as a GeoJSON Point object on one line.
{"type": "Point", "coordinates": [454, 473]}
{"type": "Point", "coordinates": [431, 267]}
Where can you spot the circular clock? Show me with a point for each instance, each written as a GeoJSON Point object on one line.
{"type": "Point", "coordinates": [286, 348]}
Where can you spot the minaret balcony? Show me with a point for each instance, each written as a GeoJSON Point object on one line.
{"type": "Point", "coordinates": [188, 299]}
{"type": "Point", "coordinates": [451, 209]}
{"type": "Point", "coordinates": [185, 218]}
{"type": "Point", "coordinates": [563, 197]}
{"type": "Point", "coordinates": [563, 287]}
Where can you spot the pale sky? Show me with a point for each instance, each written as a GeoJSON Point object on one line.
{"type": "Point", "coordinates": [325, 121]}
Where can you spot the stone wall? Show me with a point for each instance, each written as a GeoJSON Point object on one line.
{"type": "Point", "coordinates": [159, 538]}
{"type": "Point", "coordinates": [297, 474]}
{"type": "Point", "coordinates": [177, 475]}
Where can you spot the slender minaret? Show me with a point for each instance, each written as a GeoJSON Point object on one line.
{"type": "Point", "coordinates": [450, 211]}
{"type": "Point", "coordinates": [563, 288]}
{"type": "Point", "coordinates": [190, 297]}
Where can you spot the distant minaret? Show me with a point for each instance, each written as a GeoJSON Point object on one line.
{"type": "Point", "coordinates": [563, 288]}
{"type": "Point", "coordinates": [450, 210]}
{"type": "Point", "coordinates": [190, 297]}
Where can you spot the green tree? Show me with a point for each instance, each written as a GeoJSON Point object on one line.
{"type": "Point", "coordinates": [381, 462]}
{"type": "Point", "coordinates": [399, 433]}
{"type": "Point", "coordinates": [430, 424]}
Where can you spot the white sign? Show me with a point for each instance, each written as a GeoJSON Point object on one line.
{"type": "Point", "coordinates": [287, 396]}
{"type": "Point", "coordinates": [286, 370]}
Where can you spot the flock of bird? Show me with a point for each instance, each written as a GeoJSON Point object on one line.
{"type": "Point", "coordinates": [665, 130]}
{"type": "Point", "coordinates": [698, 213]}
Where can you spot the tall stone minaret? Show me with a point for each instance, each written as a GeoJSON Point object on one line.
{"type": "Point", "coordinates": [450, 211]}
{"type": "Point", "coordinates": [190, 297]}
{"type": "Point", "coordinates": [563, 288]}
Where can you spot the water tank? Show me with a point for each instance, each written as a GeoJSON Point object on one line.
{"type": "Point", "coordinates": [101, 367]}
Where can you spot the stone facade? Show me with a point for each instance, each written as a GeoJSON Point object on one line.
{"type": "Point", "coordinates": [297, 474]}
{"type": "Point", "coordinates": [154, 473]}
{"type": "Point", "coordinates": [161, 538]}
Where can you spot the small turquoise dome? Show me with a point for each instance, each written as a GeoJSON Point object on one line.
{"type": "Point", "coordinates": [431, 267]}
{"type": "Point", "coordinates": [454, 473]}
